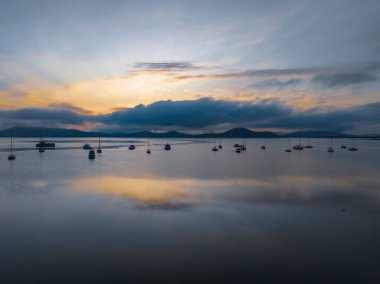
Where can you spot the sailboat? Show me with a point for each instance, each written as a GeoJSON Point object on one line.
{"type": "Point", "coordinates": [11, 155]}
{"type": "Point", "coordinates": [299, 146]}
{"type": "Point", "coordinates": [215, 149]}
{"type": "Point", "coordinates": [99, 147]}
{"type": "Point", "coordinates": [309, 146]}
{"type": "Point", "coordinates": [330, 149]}
{"type": "Point", "coordinates": [243, 146]}
{"type": "Point", "coordinates": [41, 149]}
{"type": "Point", "coordinates": [353, 148]}
{"type": "Point", "coordinates": [288, 150]}
{"type": "Point", "coordinates": [220, 142]}
{"type": "Point", "coordinates": [148, 150]}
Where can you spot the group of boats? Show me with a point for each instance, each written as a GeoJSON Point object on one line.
{"type": "Point", "coordinates": [92, 155]}
{"type": "Point", "coordinates": [329, 149]}
{"type": "Point", "coordinates": [42, 145]}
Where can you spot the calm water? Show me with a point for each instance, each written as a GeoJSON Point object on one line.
{"type": "Point", "coordinates": [190, 215]}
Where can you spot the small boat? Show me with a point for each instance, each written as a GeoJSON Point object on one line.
{"type": "Point", "coordinates": [238, 150]}
{"type": "Point", "coordinates": [148, 150]}
{"type": "Point", "coordinates": [243, 146]}
{"type": "Point", "coordinates": [132, 147]}
{"type": "Point", "coordinates": [237, 145]}
{"type": "Point", "coordinates": [309, 146]}
{"type": "Point", "coordinates": [167, 147]}
{"type": "Point", "coordinates": [220, 142]}
{"type": "Point", "coordinates": [288, 150]}
{"type": "Point", "coordinates": [353, 148]}
{"type": "Point", "coordinates": [11, 156]}
{"type": "Point", "coordinates": [343, 147]}
{"type": "Point", "coordinates": [215, 149]}
{"type": "Point", "coordinates": [91, 154]}
{"type": "Point", "coordinates": [298, 146]}
{"type": "Point", "coordinates": [330, 149]}
{"type": "Point", "coordinates": [99, 147]}
{"type": "Point", "coordinates": [263, 148]}
{"type": "Point", "coordinates": [87, 147]}
{"type": "Point", "coordinates": [44, 144]}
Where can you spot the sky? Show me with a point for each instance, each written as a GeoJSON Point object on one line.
{"type": "Point", "coordinates": [193, 66]}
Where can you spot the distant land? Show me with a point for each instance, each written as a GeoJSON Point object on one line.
{"type": "Point", "coordinates": [232, 133]}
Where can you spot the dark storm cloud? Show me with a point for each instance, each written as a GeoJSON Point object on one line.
{"type": "Point", "coordinates": [195, 113]}
{"type": "Point", "coordinates": [205, 113]}
{"type": "Point", "coordinates": [50, 115]}
{"type": "Point", "coordinates": [344, 79]}
{"type": "Point", "coordinates": [275, 84]}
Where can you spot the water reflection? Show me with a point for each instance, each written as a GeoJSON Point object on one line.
{"type": "Point", "coordinates": [259, 217]}
{"type": "Point", "coordinates": [158, 192]}
{"type": "Point", "coordinates": [152, 192]}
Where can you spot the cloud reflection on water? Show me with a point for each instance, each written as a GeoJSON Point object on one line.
{"type": "Point", "coordinates": [158, 192]}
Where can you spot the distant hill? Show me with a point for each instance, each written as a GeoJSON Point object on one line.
{"type": "Point", "coordinates": [62, 132]}
{"type": "Point", "coordinates": [232, 133]}
{"type": "Point", "coordinates": [47, 132]}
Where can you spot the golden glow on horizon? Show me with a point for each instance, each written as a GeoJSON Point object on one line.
{"type": "Point", "coordinates": [104, 95]}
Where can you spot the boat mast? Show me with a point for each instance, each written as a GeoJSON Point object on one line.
{"type": "Point", "coordinates": [11, 142]}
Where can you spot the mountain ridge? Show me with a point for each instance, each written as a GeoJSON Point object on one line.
{"type": "Point", "coordinates": [239, 132]}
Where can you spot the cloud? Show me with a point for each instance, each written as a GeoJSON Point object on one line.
{"type": "Point", "coordinates": [169, 66]}
{"type": "Point", "coordinates": [344, 79]}
{"type": "Point", "coordinates": [287, 72]}
{"type": "Point", "coordinates": [330, 76]}
{"type": "Point", "coordinates": [275, 84]}
{"type": "Point", "coordinates": [206, 114]}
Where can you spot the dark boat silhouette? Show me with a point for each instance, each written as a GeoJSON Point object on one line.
{"type": "Point", "coordinates": [87, 147]}
{"type": "Point", "coordinates": [214, 149]}
{"type": "Point", "coordinates": [330, 149]}
{"type": "Point", "coordinates": [220, 142]}
{"type": "Point", "coordinates": [298, 146]}
{"type": "Point", "coordinates": [167, 147]}
{"type": "Point", "coordinates": [11, 156]}
{"type": "Point", "coordinates": [288, 150]}
{"type": "Point", "coordinates": [91, 154]}
{"type": "Point", "coordinates": [44, 144]}
{"type": "Point", "coordinates": [132, 147]}
{"type": "Point", "coordinates": [309, 146]}
{"type": "Point", "coordinates": [148, 150]}
{"type": "Point", "coordinates": [353, 148]}
{"type": "Point", "coordinates": [99, 150]}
